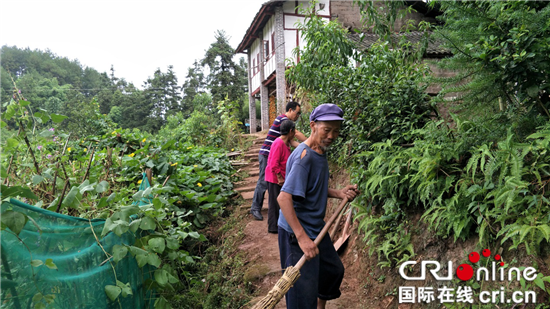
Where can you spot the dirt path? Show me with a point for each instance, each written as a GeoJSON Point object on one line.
{"type": "Point", "coordinates": [264, 268]}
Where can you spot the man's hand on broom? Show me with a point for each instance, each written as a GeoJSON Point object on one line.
{"type": "Point", "coordinates": [308, 247]}
{"type": "Point", "coordinates": [350, 191]}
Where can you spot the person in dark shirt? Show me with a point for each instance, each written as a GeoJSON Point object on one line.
{"type": "Point", "coordinates": [293, 112]}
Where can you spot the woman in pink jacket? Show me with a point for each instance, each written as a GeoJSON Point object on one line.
{"type": "Point", "coordinates": [275, 171]}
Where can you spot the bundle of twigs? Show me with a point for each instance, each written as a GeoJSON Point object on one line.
{"type": "Point", "coordinates": [292, 273]}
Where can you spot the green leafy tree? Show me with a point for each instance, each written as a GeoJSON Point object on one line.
{"type": "Point", "coordinates": [194, 85]}
{"type": "Point", "coordinates": [163, 94]}
{"type": "Point", "coordinates": [226, 77]}
{"type": "Point", "coordinates": [500, 52]}
{"type": "Point", "coordinates": [135, 110]}
{"type": "Point", "coordinates": [379, 89]}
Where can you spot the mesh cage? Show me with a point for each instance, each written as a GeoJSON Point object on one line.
{"type": "Point", "coordinates": [79, 269]}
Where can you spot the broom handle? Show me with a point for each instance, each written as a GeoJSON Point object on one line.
{"type": "Point", "coordinates": [321, 235]}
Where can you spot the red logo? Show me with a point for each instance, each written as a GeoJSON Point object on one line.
{"type": "Point", "coordinates": [465, 272]}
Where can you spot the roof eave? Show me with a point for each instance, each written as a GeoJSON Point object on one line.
{"type": "Point", "coordinates": [257, 22]}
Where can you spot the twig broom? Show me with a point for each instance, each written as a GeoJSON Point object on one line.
{"type": "Point", "coordinates": [292, 273]}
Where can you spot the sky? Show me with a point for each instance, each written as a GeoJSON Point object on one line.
{"type": "Point", "coordinates": [135, 36]}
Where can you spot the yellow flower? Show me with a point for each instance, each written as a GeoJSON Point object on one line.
{"type": "Point", "coordinates": [174, 164]}
{"type": "Point", "coordinates": [85, 149]}
{"type": "Point", "coordinates": [143, 141]}
{"type": "Point", "coordinates": [189, 147]}
{"type": "Point", "coordinates": [232, 149]}
{"type": "Point", "coordinates": [139, 181]}
{"type": "Point", "coordinates": [114, 132]}
{"type": "Point", "coordinates": [69, 149]}
{"type": "Point", "coordinates": [132, 154]}
{"type": "Point", "coordinates": [195, 165]}
{"type": "Point", "coordinates": [199, 184]}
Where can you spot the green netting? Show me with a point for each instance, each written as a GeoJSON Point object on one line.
{"type": "Point", "coordinates": [83, 269]}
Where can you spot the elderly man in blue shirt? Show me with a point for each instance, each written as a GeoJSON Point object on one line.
{"type": "Point", "coordinates": [303, 201]}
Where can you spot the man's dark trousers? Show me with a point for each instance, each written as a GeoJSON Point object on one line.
{"type": "Point", "coordinates": [261, 185]}
{"type": "Point", "coordinates": [320, 277]}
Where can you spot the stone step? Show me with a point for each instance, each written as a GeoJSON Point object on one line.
{"type": "Point", "coordinates": [255, 151]}
{"type": "Point", "coordinates": [246, 188]}
{"type": "Point", "coordinates": [247, 195]}
{"type": "Point", "coordinates": [250, 195]}
{"type": "Point", "coordinates": [252, 169]}
{"type": "Point", "coordinates": [251, 157]}
{"type": "Point", "coordinates": [246, 182]}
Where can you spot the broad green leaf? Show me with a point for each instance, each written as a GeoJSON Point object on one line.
{"type": "Point", "coordinates": [137, 196]}
{"type": "Point", "coordinates": [24, 103]}
{"type": "Point", "coordinates": [134, 225]}
{"type": "Point", "coordinates": [58, 118]}
{"type": "Point", "coordinates": [111, 197]}
{"type": "Point", "coordinates": [14, 220]}
{"type": "Point", "coordinates": [10, 111]}
{"type": "Point", "coordinates": [46, 133]}
{"type": "Point", "coordinates": [161, 277]}
{"type": "Point", "coordinates": [112, 292]}
{"type": "Point", "coordinates": [172, 279]}
{"type": "Point", "coordinates": [168, 144]}
{"type": "Point", "coordinates": [538, 281]}
{"type": "Point", "coordinates": [36, 179]}
{"type": "Point", "coordinates": [157, 203]}
{"type": "Point", "coordinates": [2, 124]}
{"type": "Point", "coordinates": [3, 172]}
{"type": "Point", "coordinates": [119, 252]}
{"type": "Point", "coordinates": [107, 227]}
{"type": "Point", "coordinates": [126, 289]}
{"type": "Point", "coordinates": [172, 243]}
{"type": "Point", "coordinates": [87, 188]}
{"type": "Point", "coordinates": [102, 203]}
{"type": "Point", "coordinates": [153, 260]}
{"type": "Point", "coordinates": [127, 211]}
{"type": "Point", "coordinates": [120, 227]}
{"type": "Point", "coordinates": [162, 303]}
{"type": "Point", "coordinates": [50, 264]}
{"type": "Point", "coordinates": [142, 260]}
{"type": "Point", "coordinates": [72, 199]}
{"type": "Point", "coordinates": [37, 297]}
{"type": "Point", "coordinates": [36, 263]}
{"type": "Point", "coordinates": [135, 251]}
{"type": "Point", "coordinates": [157, 244]}
{"type": "Point", "coordinates": [11, 143]}
{"type": "Point", "coordinates": [102, 186]}
{"type": "Point", "coordinates": [42, 116]}
{"type": "Point", "coordinates": [147, 223]}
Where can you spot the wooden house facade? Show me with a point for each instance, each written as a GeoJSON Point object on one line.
{"type": "Point", "coordinates": [272, 38]}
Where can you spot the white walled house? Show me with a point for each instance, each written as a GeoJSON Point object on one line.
{"type": "Point", "coordinates": [271, 38]}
